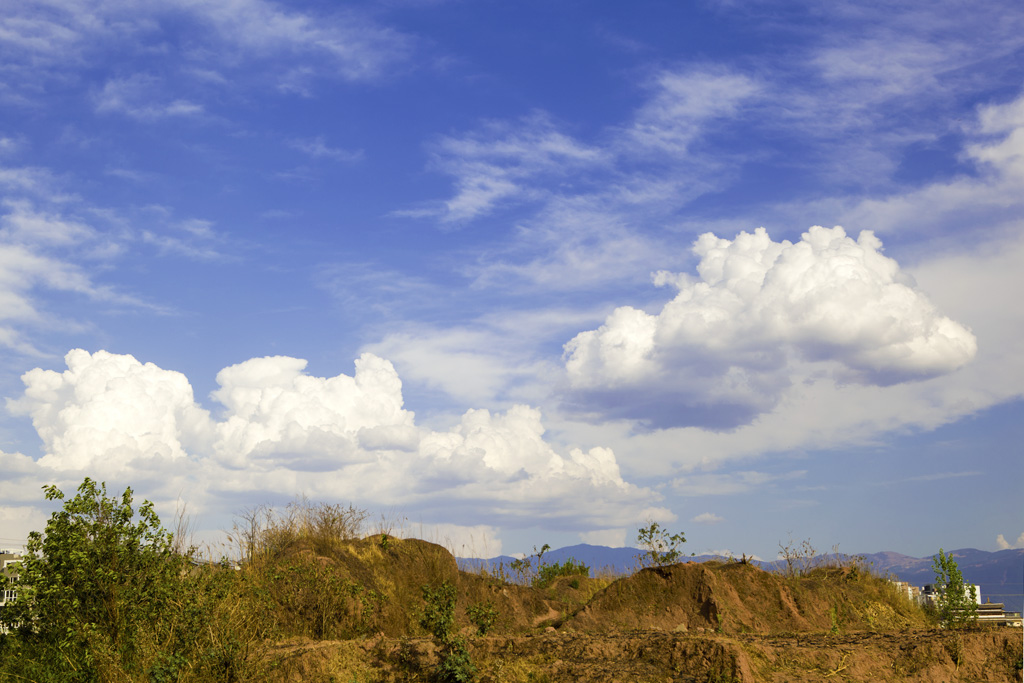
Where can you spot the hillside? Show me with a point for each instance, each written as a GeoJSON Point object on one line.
{"type": "Point", "coordinates": [1000, 574]}
{"type": "Point", "coordinates": [314, 602]}
{"type": "Point", "coordinates": [710, 621]}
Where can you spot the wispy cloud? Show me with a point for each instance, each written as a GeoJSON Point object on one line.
{"type": "Point", "coordinates": [49, 40]}
{"type": "Point", "coordinates": [353, 47]}
{"type": "Point", "coordinates": [682, 105]}
{"type": "Point", "coordinates": [502, 163]}
{"type": "Point", "coordinates": [140, 96]}
{"type": "Point", "coordinates": [319, 149]}
{"type": "Point", "coordinates": [709, 484]}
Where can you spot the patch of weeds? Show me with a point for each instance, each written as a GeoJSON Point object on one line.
{"type": "Point", "coordinates": [483, 615]}
{"type": "Point", "coordinates": [546, 574]}
{"type": "Point", "coordinates": [373, 610]}
{"type": "Point", "coordinates": [524, 567]}
{"type": "Point", "coordinates": [955, 648]}
{"type": "Point", "coordinates": [438, 619]}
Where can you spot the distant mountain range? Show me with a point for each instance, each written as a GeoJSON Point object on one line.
{"type": "Point", "coordinates": [1000, 574]}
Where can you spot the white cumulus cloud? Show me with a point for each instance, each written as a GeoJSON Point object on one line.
{"type": "Point", "coordinates": [107, 411]}
{"type": "Point", "coordinates": [273, 407]}
{"type": "Point", "coordinates": [1006, 545]}
{"type": "Point", "coordinates": [707, 518]}
{"type": "Point", "coordinates": [283, 431]}
{"type": "Point", "coordinates": [759, 313]}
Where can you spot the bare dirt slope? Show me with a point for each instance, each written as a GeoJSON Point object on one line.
{"type": "Point", "coordinates": [687, 622]}
{"type": "Point", "coordinates": [663, 657]}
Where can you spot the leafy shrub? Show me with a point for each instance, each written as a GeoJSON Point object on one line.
{"type": "Point", "coordinates": [93, 588]}
{"type": "Point", "coordinates": [438, 618]}
{"type": "Point", "coordinates": [482, 615]}
{"type": "Point", "coordinates": [547, 573]}
{"type": "Point", "coordinates": [104, 596]}
{"type": "Point", "coordinates": [660, 547]}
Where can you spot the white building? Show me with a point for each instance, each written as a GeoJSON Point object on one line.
{"type": "Point", "coordinates": [8, 579]}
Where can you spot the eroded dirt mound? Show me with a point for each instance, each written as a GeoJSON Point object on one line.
{"type": "Point", "coordinates": [354, 615]}
{"type": "Point", "coordinates": [363, 587]}
{"type": "Point", "coordinates": [735, 597]}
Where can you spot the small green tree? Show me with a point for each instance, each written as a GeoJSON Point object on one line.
{"type": "Point", "coordinates": [94, 585]}
{"type": "Point", "coordinates": [957, 603]}
{"type": "Point", "coordinates": [660, 547]}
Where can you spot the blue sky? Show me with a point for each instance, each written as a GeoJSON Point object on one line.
{"type": "Point", "coordinates": [521, 273]}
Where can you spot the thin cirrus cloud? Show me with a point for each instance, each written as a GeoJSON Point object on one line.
{"type": "Point", "coordinates": [682, 104]}
{"type": "Point", "coordinates": [503, 163]}
{"type": "Point", "coordinates": [140, 96]}
{"type": "Point", "coordinates": [52, 241]}
{"type": "Point", "coordinates": [531, 160]}
{"type": "Point", "coordinates": [45, 39]}
{"type": "Point", "coordinates": [319, 149]}
{"type": "Point", "coordinates": [283, 430]}
{"type": "Point", "coordinates": [726, 346]}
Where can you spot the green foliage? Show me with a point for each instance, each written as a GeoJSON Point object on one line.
{"type": "Point", "coordinates": [104, 596]}
{"type": "Point", "coordinates": [313, 599]}
{"type": "Point", "coordinates": [660, 547]}
{"type": "Point", "coordinates": [438, 618]}
{"type": "Point", "coordinates": [94, 584]}
{"type": "Point", "coordinates": [549, 572]}
{"type": "Point", "coordinates": [956, 604]}
{"type": "Point", "coordinates": [482, 615]}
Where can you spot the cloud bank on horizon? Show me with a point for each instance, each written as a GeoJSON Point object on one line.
{"type": "Point", "coordinates": [585, 285]}
{"type": "Point", "coordinates": [283, 430]}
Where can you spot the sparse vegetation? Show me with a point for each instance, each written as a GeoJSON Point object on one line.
{"type": "Point", "coordinates": [525, 568]}
{"type": "Point", "coordinates": [438, 619]}
{"type": "Point", "coordinates": [315, 599]}
{"type": "Point", "coordinates": [660, 547]}
{"type": "Point", "coordinates": [547, 573]}
{"type": "Point", "coordinates": [483, 615]}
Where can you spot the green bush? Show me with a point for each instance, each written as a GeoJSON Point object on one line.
{"type": "Point", "coordinates": [102, 595]}
{"type": "Point", "coordinates": [482, 615]}
{"type": "Point", "coordinates": [438, 618]}
{"type": "Point", "coordinates": [94, 589]}
{"type": "Point", "coordinates": [547, 573]}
